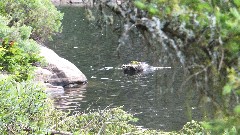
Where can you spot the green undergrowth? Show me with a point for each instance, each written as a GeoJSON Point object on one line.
{"type": "Point", "coordinates": [116, 121]}
{"type": "Point", "coordinates": [14, 61]}
{"type": "Point", "coordinates": [24, 107]}
{"type": "Point", "coordinates": [18, 52]}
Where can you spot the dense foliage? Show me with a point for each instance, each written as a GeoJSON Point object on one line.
{"type": "Point", "coordinates": [41, 15]}
{"type": "Point", "coordinates": [116, 121]}
{"type": "Point", "coordinates": [21, 25]}
{"type": "Point", "coordinates": [24, 108]}
{"type": "Point", "coordinates": [17, 51]}
{"type": "Point", "coordinates": [15, 61]}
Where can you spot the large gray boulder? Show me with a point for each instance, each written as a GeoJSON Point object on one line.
{"type": "Point", "coordinates": [59, 71]}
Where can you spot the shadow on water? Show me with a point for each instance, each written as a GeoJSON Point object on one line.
{"type": "Point", "coordinates": [155, 98]}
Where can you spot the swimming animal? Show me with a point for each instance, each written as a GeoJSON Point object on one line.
{"type": "Point", "coordinates": [135, 67]}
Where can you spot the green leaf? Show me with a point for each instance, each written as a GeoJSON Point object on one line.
{"type": "Point", "coordinates": [167, 10]}
{"type": "Point", "coordinates": [204, 7]}
{"type": "Point", "coordinates": [153, 10]}
{"type": "Point", "coordinates": [206, 125]}
{"type": "Point", "coordinates": [238, 92]}
{"type": "Point", "coordinates": [235, 13]}
{"type": "Point", "coordinates": [227, 89]}
{"type": "Point", "coordinates": [233, 47]}
{"type": "Point", "coordinates": [237, 2]}
{"type": "Point", "coordinates": [139, 5]}
{"type": "Point", "coordinates": [237, 109]}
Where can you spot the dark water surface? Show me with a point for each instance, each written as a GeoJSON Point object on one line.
{"type": "Point", "coordinates": [156, 98]}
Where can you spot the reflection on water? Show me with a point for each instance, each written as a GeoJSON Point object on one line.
{"type": "Point", "coordinates": [68, 99]}
{"type": "Point", "coordinates": [154, 98]}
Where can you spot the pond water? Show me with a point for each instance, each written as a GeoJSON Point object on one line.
{"type": "Point", "coordinates": [155, 98]}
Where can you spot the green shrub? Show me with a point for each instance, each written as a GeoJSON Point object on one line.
{"type": "Point", "coordinates": [20, 34]}
{"type": "Point", "coordinates": [41, 15]}
{"type": "Point", "coordinates": [15, 61]}
{"type": "Point", "coordinates": [18, 57]}
{"type": "Point", "coordinates": [112, 121]}
{"type": "Point", "coordinates": [24, 108]}
{"type": "Point", "coordinates": [115, 121]}
{"type": "Point", "coordinates": [192, 128]}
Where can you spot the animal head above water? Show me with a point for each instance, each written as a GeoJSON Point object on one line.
{"type": "Point", "coordinates": [135, 62]}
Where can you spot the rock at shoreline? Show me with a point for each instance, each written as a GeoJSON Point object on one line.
{"type": "Point", "coordinates": [58, 71]}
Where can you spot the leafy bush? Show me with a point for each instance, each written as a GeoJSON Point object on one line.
{"type": "Point", "coordinates": [25, 22]}
{"type": "Point", "coordinates": [107, 122]}
{"type": "Point", "coordinates": [17, 51]}
{"type": "Point", "coordinates": [114, 121]}
{"type": "Point", "coordinates": [192, 128]}
{"type": "Point", "coordinates": [41, 15]}
{"type": "Point", "coordinates": [15, 61]}
{"type": "Point", "coordinates": [24, 108]}
{"type": "Point", "coordinates": [20, 34]}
